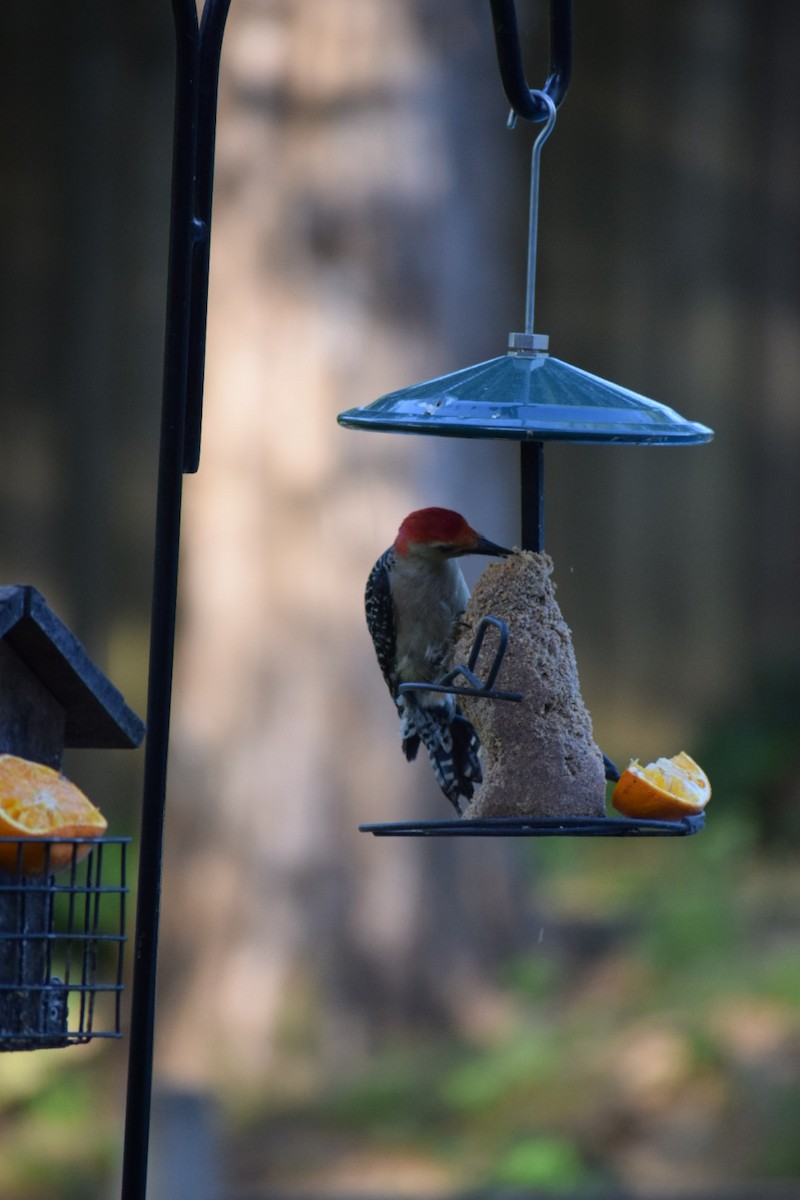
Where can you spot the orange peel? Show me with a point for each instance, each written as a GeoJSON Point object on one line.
{"type": "Point", "coordinates": [666, 790]}
{"type": "Point", "coordinates": [38, 803]}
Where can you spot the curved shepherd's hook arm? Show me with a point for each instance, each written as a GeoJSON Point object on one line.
{"type": "Point", "coordinates": [523, 99]}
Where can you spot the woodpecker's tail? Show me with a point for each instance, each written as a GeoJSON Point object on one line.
{"type": "Point", "coordinates": [451, 742]}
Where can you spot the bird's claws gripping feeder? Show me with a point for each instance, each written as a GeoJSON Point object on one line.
{"type": "Point", "coordinates": [528, 396]}
{"type": "Point", "coordinates": [473, 686]}
{"type": "Point", "coordinates": [62, 898]}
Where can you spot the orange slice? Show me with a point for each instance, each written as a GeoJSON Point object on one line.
{"type": "Point", "coordinates": [666, 790]}
{"type": "Point", "coordinates": [35, 803]}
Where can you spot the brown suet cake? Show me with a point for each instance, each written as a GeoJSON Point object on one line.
{"type": "Point", "coordinates": [539, 755]}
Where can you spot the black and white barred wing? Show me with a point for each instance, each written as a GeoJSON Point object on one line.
{"type": "Point", "coordinates": [380, 617]}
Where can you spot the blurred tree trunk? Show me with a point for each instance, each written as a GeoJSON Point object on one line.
{"type": "Point", "coordinates": [355, 249]}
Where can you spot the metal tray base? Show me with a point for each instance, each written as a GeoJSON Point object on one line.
{"type": "Point", "coordinates": [540, 827]}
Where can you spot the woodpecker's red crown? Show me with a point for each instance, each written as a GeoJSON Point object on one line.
{"type": "Point", "coordinates": [442, 530]}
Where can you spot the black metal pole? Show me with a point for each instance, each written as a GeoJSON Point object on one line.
{"type": "Point", "coordinates": [196, 72]}
{"type": "Point", "coordinates": [212, 30]}
{"type": "Point", "coordinates": [532, 495]}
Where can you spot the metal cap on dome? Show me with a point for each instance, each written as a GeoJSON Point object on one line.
{"type": "Point", "coordinates": [522, 395]}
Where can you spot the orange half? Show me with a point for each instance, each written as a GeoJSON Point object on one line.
{"type": "Point", "coordinates": [666, 790]}
{"type": "Point", "coordinates": [37, 802]}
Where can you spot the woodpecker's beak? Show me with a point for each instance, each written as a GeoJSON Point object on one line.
{"type": "Point", "coordinates": [484, 546]}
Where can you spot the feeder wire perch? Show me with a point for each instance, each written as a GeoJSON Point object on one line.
{"type": "Point", "coordinates": [474, 686]}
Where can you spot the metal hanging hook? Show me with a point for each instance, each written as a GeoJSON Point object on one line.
{"type": "Point", "coordinates": [524, 101]}
{"type": "Point", "coordinates": [533, 212]}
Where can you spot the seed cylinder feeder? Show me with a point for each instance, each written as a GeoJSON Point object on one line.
{"type": "Point", "coordinates": [529, 396]}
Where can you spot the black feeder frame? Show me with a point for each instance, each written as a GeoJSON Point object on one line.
{"type": "Point", "coordinates": [61, 943]}
{"type": "Point", "coordinates": [62, 923]}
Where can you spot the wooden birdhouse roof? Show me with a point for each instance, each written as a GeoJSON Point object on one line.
{"type": "Point", "coordinates": [42, 648]}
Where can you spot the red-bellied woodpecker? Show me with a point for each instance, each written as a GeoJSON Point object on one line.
{"type": "Point", "coordinates": [414, 598]}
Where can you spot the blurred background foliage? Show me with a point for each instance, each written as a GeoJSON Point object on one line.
{"type": "Point", "coordinates": [338, 1015]}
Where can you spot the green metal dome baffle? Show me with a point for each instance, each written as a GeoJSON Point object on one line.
{"type": "Point", "coordinates": [527, 396]}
